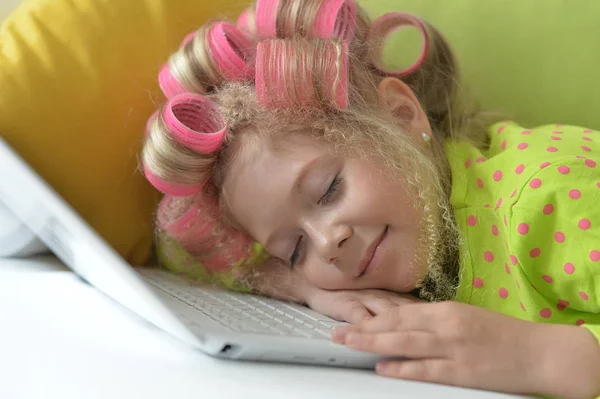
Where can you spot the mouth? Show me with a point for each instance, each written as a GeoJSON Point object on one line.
{"type": "Point", "coordinates": [372, 254]}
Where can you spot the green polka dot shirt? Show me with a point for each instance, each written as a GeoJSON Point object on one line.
{"type": "Point", "coordinates": [529, 214]}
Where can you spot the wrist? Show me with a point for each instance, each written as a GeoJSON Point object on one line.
{"type": "Point", "coordinates": [569, 361]}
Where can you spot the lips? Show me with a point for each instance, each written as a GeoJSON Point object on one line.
{"type": "Point", "coordinates": [370, 253]}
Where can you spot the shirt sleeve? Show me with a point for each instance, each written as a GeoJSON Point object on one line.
{"type": "Point", "coordinates": [554, 232]}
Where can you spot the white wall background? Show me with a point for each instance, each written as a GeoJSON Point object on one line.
{"type": "Point", "coordinates": [6, 7]}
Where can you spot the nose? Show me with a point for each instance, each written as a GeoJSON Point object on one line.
{"type": "Point", "coordinates": [329, 240]}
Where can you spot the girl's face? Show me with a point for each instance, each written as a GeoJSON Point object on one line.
{"type": "Point", "coordinates": [340, 221]}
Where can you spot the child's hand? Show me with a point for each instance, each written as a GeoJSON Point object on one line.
{"type": "Point", "coordinates": [463, 345]}
{"type": "Point", "coordinates": [355, 306]}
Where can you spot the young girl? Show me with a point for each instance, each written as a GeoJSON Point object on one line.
{"type": "Point", "coordinates": [295, 165]}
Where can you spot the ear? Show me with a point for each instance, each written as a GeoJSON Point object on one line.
{"type": "Point", "coordinates": [397, 99]}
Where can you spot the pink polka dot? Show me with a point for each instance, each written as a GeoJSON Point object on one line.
{"type": "Point", "coordinates": [513, 194]}
{"type": "Point", "coordinates": [544, 165]}
{"type": "Point", "coordinates": [586, 148]}
{"type": "Point", "coordinates": [522, 306]}
{"type": "Point", "coordinates": [522, 146]}
{"type": "Point", "coordinates": [559, 237]}
{"type": "Point", "coordinates": [520, 169]}
{"type": "Point", "coordinates": [526, 132]}
{"type": "Point", "coordinates": [564, 170]}
{"type": "Point", "coordinates": [548, 209]}
{"type": "Point", "coordinates": [535, 183]}
{"type": "Point", "coordinates": [556, 138]}
{"type": "Point", "coordinates": [523, 228]}
{"type": "Point", "coordinates": [505, 221]}
{"type": "Point", "coordinates": [575, 194]}
{"type": "Point", "coordinates": [499, 203]}
{"type": "Point", "coordinates": [513, 260]}
{"type": "Point", "coordinates": [580, 157]}
{"type": "Point", "coordinates": [579, 322]}
{"type": "Point", "coordinates": [478, 282]}
{"type": "Point", "coordinates": [488, 256]}
{"type": "Point", "coordinates": [587, 131]}
{"type": "Point", "coordinates": [590, 164]}
{"type": "Point", "coordinates": [479, 182]}
{"type": "Point", "coordinates": [584, 224]}
{"type": "Point", "coordinates": [535, 252]}
{"type": "Point", "coordinates": [486, 206]}
{"type": "Point", "coordinates": [480, 159]}
{"type": "Point", "coordinates": [583, 295]}
{"type": "Point", "coordinates": [595, 255]}
{"type": "Point", "coordinates": [495, 230]}
{"type": "Point", "coordinates": [503, 145]}
{"type": "Point", "coordinates": [507, 268]}
{"type": "Point", "coordinates": [562, 304]}
{"type": "Point", "coordinates": [559, 125]}
{"type": "Point", "coordinates": [546, 313]}
{"type": "Point", "coordinates": [598, 184]}
{"type": "Point", "coordinates": [587, 138]}
{"type": "Point", "coordinates": [471, 220]}
{"type": "Point", "coordinates": [498, 175]}
{"type": "Point", "coordinates": [518, 285]}
{"type": "Point", "coordinates": [569, 268]}
{"type": "Point", "coordinates": [503, 292]}
{"type": "Point", "coordinates": [468, 163]}
{"type": "Point", "coordinates": [551, 149]}
{"type": "Point", "coordinates": [547, 279]}
{"type": "Point", "coordinates": [500, 129]}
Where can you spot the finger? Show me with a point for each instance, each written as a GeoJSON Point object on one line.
{"type": "Point", "coordinates": [355, 313]}
{"type": "Point", "coordinates": [411, 344]}
{"type": "Point", "coordinates": [379, 306]}
{"type": "Point", "coordinates": [438, 371]}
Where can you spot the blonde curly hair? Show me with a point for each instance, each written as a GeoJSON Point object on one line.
{"type": "Point", "coordinates": [300, 67]}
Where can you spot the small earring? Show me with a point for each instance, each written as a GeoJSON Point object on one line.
{"type": "Point", "coordinates": [426, 137]}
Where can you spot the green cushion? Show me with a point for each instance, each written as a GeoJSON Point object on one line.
{"type": "Point", "coordinates": [535, 61]}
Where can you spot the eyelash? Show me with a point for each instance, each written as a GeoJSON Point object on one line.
{"type": "Point", "coordinates": [323, 201]}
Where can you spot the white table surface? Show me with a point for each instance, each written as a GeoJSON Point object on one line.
{"type": "Point", "coordinates": [61, 338]}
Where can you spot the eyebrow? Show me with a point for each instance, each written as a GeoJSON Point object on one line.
{"type": "Point", "coordinates": [299, 182]}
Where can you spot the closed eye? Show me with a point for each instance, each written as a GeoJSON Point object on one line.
{"type": "Point", "coordinates": [330, 191]}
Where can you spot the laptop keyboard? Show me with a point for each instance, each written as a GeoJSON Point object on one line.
{"type": "Point", "coordinates": [242, 312]}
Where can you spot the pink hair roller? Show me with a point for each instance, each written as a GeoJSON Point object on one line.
{"type": "Point", "coordinates": [168, 188]}
{"type": "Point", "coordinates": [246, 22]}
{"type": "Point", "coordinates": [266, 18]}
{"type": "Point", "coordinates": [386, 25]}
{"type": "Point", "coordinates": [336, 19]}
{"type": "Point", "coordinates": [195, 230]}
{"type": "Point", "coordinates": [272, 85]}
{"type": "Point", "coordinates": [232, 51]}
{"type": "Point", "coordinates": [168, 84]}
{"type": "Point", "coordinates": [194, 121]}
{"type": "Point", "coordinates": [190, 36]}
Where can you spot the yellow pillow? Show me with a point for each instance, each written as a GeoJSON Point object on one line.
{"type": "Point", "coordinates": [77, 84]}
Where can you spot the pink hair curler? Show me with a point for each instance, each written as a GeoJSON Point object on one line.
{"type": "Point", "coordinates": [273, 81]}
{"type": "Point", "coordinates": [190, 36]}
{"type": "Point", "coordinates": [266, 18]}
{"type": "Point", "coordinates": [232, 51]}
{"type": "Point", "coordinates": [336, 19]}
{"type": "Point", "coordinates": [175, 190]}
{"type": "Point", "coordinates": [199, 232]}
{"type": "Point", "coordinates": [246, 22]}
{"type": "Point", "coordinates": [168, 84]}
{"type": "Point", "coordinates": [194, 121]}
{"type": "Point", "coordinates": [388, 23]}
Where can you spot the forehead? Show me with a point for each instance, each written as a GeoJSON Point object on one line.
{"type": "Point", "coordinates": [258, 190]}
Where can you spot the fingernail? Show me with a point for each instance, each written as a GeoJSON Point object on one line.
{"type": "Point", "coordinates": [352, 338]}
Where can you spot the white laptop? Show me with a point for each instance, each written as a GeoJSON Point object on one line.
{"type": "Point", "coordinates": [217, 322]}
